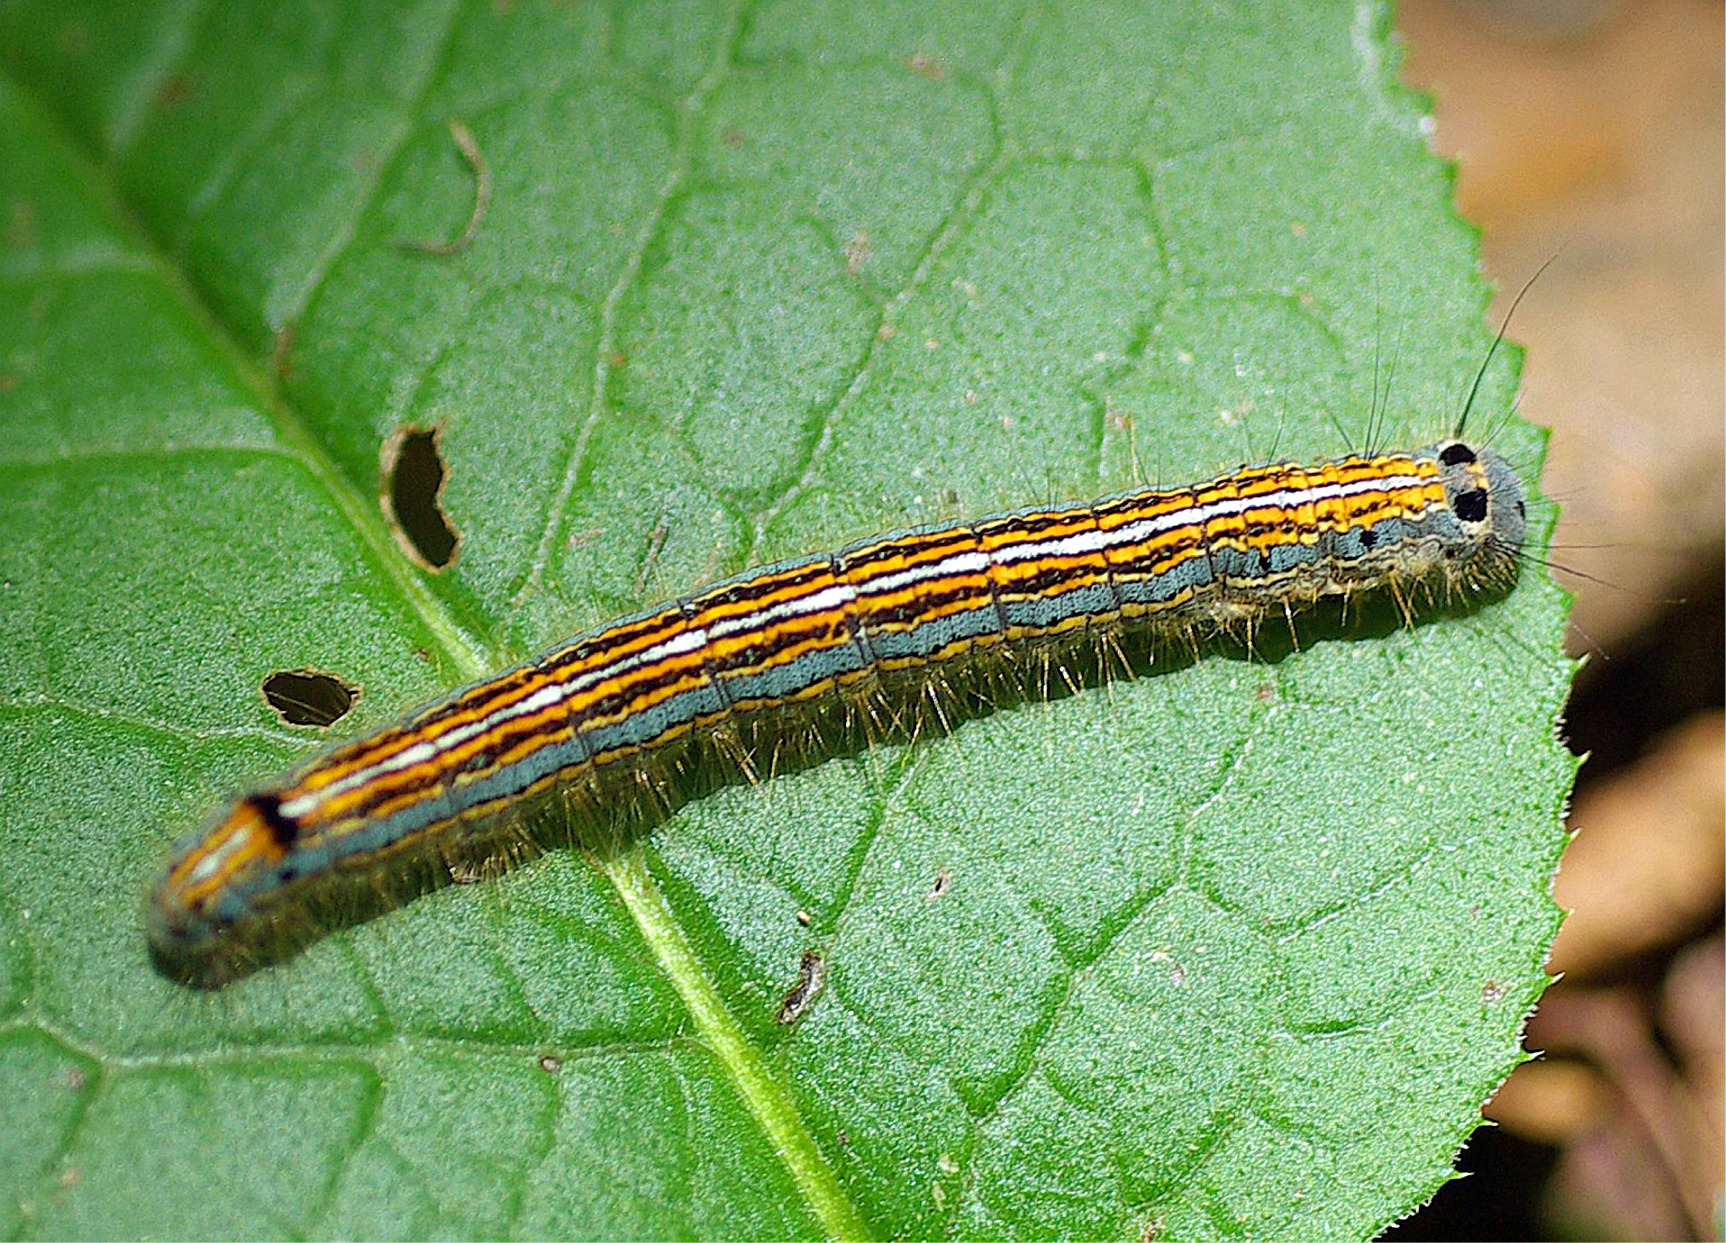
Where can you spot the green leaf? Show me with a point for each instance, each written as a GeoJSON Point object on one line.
{"type": "Point", "coordinates": [1237, 948]}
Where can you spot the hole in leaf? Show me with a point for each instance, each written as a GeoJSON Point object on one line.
{"type": "Point", "coordinates": [307, 697]}
{"type": "Point", "coordinates": [413, 481]}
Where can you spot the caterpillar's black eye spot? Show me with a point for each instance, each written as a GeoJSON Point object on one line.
{"type": "Point", "coordinates": [1470, 506]}
{"type": "Point", "coordinates": [1456, 455]}
{"type": "Point", "coordinates": [1368, 539]}
{"type": "Point", "coordinates": [1521, 510]}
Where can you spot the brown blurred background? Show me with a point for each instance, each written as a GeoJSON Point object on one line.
{"type": "Point", "coordinates": [1591, 130]}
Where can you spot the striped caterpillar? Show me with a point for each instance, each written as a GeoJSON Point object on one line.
{"type": "Point", "coordinates": [630, 719]}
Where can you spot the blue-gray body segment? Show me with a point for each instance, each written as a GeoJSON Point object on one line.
{"type": "Point", "coordinates": [922, 641]}
{"type": "Point", "coordinates": [512, 779]}
{"type": "Point", "coordinates": [1045, 612]}
{"type": "Point", "coordinates": [1144, 589]}
{"type": "Point", "coordinates": [789, 680]}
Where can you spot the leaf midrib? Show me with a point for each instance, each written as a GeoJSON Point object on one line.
{"type": "Point", "coordinates": [768, 1099]}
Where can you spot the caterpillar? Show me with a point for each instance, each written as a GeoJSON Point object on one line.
{"type": "Point", "coordinates": [720, 685]}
